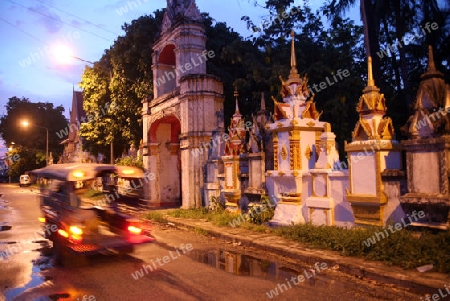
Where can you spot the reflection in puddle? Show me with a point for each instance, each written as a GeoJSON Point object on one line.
{"type": "Point", "coordinates": [56, 297]}
{"type": "Point", "coordinates": [40, 264]}
{"type": "Point", "coordinates": [245, 265]}
{"type": "Point", "coordinates": [5, 228]}
{"type": "Point", "coordinates": [36, 280]}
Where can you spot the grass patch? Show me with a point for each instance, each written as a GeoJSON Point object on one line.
{"type": "Point", "coordinates": [201, 231]}
{"type": "Point", "coordinates": [404, 248]}
{"type": "Point", "coordinates": [219, 219]}
{"type": "Point", "coordinates": [401, 248]}
{"type": "Point", "coordinates": [156, 217]}
{"type": "Point", "coordinates": [189, 213]}
{"type": "Point", "coordinates": [256, 228]}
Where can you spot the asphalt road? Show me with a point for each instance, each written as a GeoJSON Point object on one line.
{"type": "Point", "coordinates": [179, 265]}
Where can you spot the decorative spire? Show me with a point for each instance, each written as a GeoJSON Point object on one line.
{"type": "Point", "coordinates": [372, 103]}
{"type": "Point", "coordinates": [431, 66]}
{"type": "Point", "coordinates": [263, 102]}
{"type": "Point", "coordinates": [236, 95]}
{"type": "Point", "coordinates": [293, 58]}
{"type": "Point", "coordinates": [431, 69]}
{"type": "Point", "coordinates": [370, 81]}
{"type": "Point", "coordinates": [186, 9]}
{"type": "Point", "coordinates": [294, 72]}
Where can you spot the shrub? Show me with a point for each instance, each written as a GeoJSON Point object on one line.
{"type": "Point", "coordinates": [262, 212]}
{"type": "Point", "coordinates": [216, 205]}
{"type": "Point", "coordinates": [156, 217]}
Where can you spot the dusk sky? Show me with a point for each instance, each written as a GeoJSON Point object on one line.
{"type": "Point", "coordinates": [29, 30]}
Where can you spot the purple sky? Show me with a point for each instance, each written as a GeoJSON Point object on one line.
{"type": "Point", "coordinates": [30, 28]}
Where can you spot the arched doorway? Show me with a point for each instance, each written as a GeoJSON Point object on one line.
{"type": "Point", "coordinates": [166, 72]}
{"type": "Point", "coordinates": [164, 162]}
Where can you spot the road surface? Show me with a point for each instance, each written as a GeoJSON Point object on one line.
{"type": "Point", "coordinates": [179, 265]}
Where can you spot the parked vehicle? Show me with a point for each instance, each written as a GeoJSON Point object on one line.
{"type": "Point", "coordinates": [24, 180]}
{"type": "Point", "coordinates": [77, 227]}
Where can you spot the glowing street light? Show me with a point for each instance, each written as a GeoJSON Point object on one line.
{"type": "Point", "coordinates": [25, 123]}
{"type": "Point", "coordinates": [63, 54]}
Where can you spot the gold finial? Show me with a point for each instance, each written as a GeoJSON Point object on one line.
{"type": "Point", "coordinates": [431, 65]}
{"type": "Point", "coordinates": [431, 68]}
{"type": "Point", "coordinates": [370, 81]}
{"type": "Point", "coordinates": [263, 102]}
{"type": "Point", "coordinates": [293, 59]}
{"type": "Point", "coordinates": [236, 95]}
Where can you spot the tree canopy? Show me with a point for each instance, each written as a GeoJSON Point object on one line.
{"type": "Point", "coordinates": [30, 142]}
{"type": "Point", "coordinates": [121, 78]}
{"type": "Point", "coordinates": [325, 47]}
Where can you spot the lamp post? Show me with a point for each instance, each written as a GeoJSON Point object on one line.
{"type": "Point", "coordinates": [26, 124]}
{"type": "Point", "coordinates": [10, 148]}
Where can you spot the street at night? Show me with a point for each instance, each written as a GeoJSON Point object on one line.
{"type": "Point", "coordinates": [179, 265]}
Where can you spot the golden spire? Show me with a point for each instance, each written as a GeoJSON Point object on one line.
{"type": "Point", "coordinates": [370, 81]}
{"type": "Point", "coordinates": [293, 59]}
{"type": "Point", "coordinates": [431, 66]}
{"type": "Point", "coordinates": [263, 102]}
{"type": "Point", "coordinates": [236, 95]}
{"type": "Point", "coordinates": [293, 75]}
{"type": "Point", "coordinates": [431, 69]}
{"type": "Point", "coordinates": [371, 100]}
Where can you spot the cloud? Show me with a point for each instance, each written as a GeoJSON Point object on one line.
{"type": "Point", "coordinates": [68, 73]}
{"type": "Point", "coordinates": [76, 23]}
{"type": "Point", "coordinates": [51, 21]}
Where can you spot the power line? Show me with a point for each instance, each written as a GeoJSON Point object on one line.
{"type": "Point", "coordinates": [53, 18]}
{"type": "Point", "coordinates": [70, 14]}
{"type": "Point", "coordinates": [20, 29]}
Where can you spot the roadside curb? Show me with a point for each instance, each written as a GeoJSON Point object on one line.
{"type": "Point", "coordinates": [376, 272]}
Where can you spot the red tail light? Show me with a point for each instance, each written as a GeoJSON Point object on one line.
{"type": "Point", "coordinates": [63, 233]}
{"type": "Point", "coordinates": [134, 230]}
{"type": "Point", "coordinates": [74, 235]}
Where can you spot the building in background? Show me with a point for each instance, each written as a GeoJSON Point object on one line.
{"type": "Point", "coordinates": [73, 143]}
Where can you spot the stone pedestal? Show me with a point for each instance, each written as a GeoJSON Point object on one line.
{"type": "Point", "coordinates": [287, 214]}
{"type": "Point", "coordinates": [287, 188]}
{"type": "Point", "coordinates": [211, 186]}
{"type": "Point", "coordinates": [257, 179]}
{"type": "Point", "coordinates": [320, 204]}
{"type": "Point", "coordinates": [232, 191]}
{"type": "Point", "coordinates": [427, 168]}
{"type": "Point", "coordinates": [367, 160]}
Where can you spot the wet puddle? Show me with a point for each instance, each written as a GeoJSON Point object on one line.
{"type": "Point", "coordinates": [246, 265]}
{"type": "Point", "coordinates": [42, 263]}
{"type": "Point", "coordinates": [7, 242]}
{"type": "Point", "coordinates": [5, 228]}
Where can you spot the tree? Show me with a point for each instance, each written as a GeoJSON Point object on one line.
{"type": "Point", "coordinates": [321, 53]}
{"type": "Point", "coordinates": [396, 35]}
{"type": "Point", "coordinates": [31, 142]}
{"type": "Point", "coordinates": [122, 78]}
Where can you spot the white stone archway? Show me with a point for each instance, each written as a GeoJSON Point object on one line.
{"type": "Point", "coordinates": [184, 111]}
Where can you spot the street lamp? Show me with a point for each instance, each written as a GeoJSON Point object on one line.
{"type": "Point", "coordinates": [26, 124]}
{"type": "Point", "coordinates": [10, 149]}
